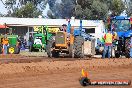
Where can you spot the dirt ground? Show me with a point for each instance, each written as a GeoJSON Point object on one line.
{"type": "Point", "coordinates": [18, 71]}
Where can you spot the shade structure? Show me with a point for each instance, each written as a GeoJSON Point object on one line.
{"type": "Point", "coordinates": [3, 26]}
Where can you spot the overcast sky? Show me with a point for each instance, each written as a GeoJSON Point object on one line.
{"type": "Point", "coordinates": [3, 10]}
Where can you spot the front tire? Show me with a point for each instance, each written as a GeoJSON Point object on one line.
{"type": "Point", "coordinates": [78, 47]}
{"type": "Point", "coordinates": [50, 52]}
{"type": "Point", "coordinates": [127, 47]}
{"type": "Point", "coordinates": [11, 49]}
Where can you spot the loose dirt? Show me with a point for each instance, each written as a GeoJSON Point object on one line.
{"type": "Point", "coordinates": [42, 72]}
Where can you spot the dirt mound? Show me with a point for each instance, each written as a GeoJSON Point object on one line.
{"type": "Point", "coordinates": [62, 73]}
{"type": "Point", "coordinates": [62, 66]}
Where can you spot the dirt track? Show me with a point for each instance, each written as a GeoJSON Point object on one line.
{"type": "Point", "coordinates": [33, 72]}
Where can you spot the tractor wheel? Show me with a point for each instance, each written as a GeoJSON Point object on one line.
{"type": "Point", "coordinates": [117, 54]}
{"type": "Point", "coordinates": [127, 47]}
{"type": "Point", "coordinates": [0, 49]}
{"type": "Point", "coordinates": [17, 50]}
{"type": "Point", "coordinates": [71, 51]}
{"type": "Point", "coordinates": [50, 45]}
{"type": "Point", "coordinates": [78, 47]}
{"type": "Point", "coordinates": [11, 49]}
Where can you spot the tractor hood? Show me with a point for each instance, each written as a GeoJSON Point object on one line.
{"type": "Point", "coordinates": [77, 32]}
{"type": "Point", "coordinates": [128, 33]}
{"type": "Point", "coordinates": [125, 33]}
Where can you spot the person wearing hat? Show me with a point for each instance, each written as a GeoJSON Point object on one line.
{"type": "Point", "coordinates": [64, 28]}
{"type": "Point", "coordinates": [108, 38]}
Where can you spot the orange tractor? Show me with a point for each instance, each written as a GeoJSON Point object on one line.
{"type": "Point", "coordinates": [67, 41]}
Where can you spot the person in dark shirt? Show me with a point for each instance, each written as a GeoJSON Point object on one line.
{"type": "Point", "coordinates": [30, 40]}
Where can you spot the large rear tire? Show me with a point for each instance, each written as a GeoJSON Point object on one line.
{"type": "Point", "coordinates": [127, 47]}
{"type": "Point", "coordinates": [17, 50]}
{"type": "Point", "coordinates": [78, 47]}
{"type": "Point", "coordinates": [71, 51]}
{"type": "Point", "coordinates": [0, 49]}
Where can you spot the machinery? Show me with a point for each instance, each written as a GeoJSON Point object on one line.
{"type": "Point", "coordinates": [123, 27]}
{"type": "Point", "coordinates": [69, 42]}
{"type": "Point", "coordinates": [14, 43]}
{"type": "Point", "coordinates": [40, 39]}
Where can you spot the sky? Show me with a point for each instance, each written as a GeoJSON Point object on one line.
{"type": "Point", "coordinates": [3, 10]}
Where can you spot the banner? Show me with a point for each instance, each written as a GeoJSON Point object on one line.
{"type": "Point", "coordinates": [53, 30]}
{"type": "Point", "coordinates": [38, 28]}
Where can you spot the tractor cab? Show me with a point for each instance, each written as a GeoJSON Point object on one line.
{"type": "Point", "coordinates": [122, 25]}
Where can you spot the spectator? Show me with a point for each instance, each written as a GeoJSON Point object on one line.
{"type": "Point", "coordinates": [30, 41]}
{"type": "Point", "coordinates": [131, 49]}
{"type": "Point", "coordinates": [64, 28]}
{"type": "Point", "coordinates": [5, 43]}
{"type": "Point", "coordinates": [108, 37]}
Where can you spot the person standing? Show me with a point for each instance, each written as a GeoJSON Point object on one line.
{"type": "Point", "coordinates": [5, 43]}
{"type": "Point", "coordinates": [30, 42]}
{"type": "Point", "coordinates": [108, 38]}
{"type": "Point", "coordinates": [131, 48]}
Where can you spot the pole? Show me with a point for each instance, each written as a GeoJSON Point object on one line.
{"type": "Point", "coordinates": [28, 35]}
{"type": "Point", "coordinates": [5, 28]}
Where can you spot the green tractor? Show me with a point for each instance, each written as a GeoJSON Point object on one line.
{"type": "Point", "coordinates": [40, 39]}
{"type": "Point", "coordinates": [14, 43]}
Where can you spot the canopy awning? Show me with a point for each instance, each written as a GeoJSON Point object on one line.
{"type": "Point", "coordinates": [3, 26]}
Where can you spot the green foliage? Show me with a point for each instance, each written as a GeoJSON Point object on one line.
{"type": "Point", "coordinates": [99, 10]}
{"type": "Point", "coordinates": [84, 9]}
{"type": "Point", "coordinates": [29, 10]}
{"type": "Point", "coordinates": [117, 6]}
{"type": "Point", "coordinates": [91, 9]}
{"type": "Point", "coordinates": [129, 8]}
{"type": "Point", "coordinates": [25, 8]}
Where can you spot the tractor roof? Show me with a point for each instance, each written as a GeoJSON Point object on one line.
{"type": "Point", "coordinates": [121, 18]}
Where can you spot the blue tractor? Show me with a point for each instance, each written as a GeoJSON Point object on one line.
{"type": "Point", "coordinates": [123, 27]}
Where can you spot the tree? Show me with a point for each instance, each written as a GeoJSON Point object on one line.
{"type": "Point", "coordinates": [117, 7]}
{"type": "Point", "coordinates": [29, 10]}
{"type": "Point", "coordinates": [25, 8]}
{"type": "Point", "coordinates": [98, 9]}
{"type": "Point", "coordinates": [91, 9]}
{"type": "Point", "coordinates": [128, 7]}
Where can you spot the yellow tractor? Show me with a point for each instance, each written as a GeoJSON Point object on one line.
{"type": "Point", "coordinates": [67, 41]}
